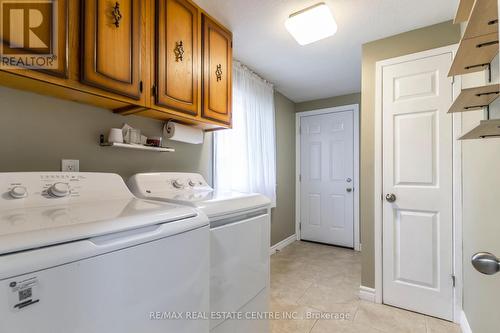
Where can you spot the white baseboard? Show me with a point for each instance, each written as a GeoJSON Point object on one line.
{"type": "Point", "coordinates": [367, 294]}
{"type": "Point", "coordinates": [281, 245]}
{"type": "Point", "coordinates": [464, 324]}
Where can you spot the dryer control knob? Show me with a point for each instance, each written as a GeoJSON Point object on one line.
{"type": "Point", "coordinates": [59, 190]}
{"type": "Point", "coordinates": [191, 183]}
{"type": "Point", "coordinates": [18, 192]}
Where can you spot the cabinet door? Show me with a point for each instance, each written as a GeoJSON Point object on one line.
{"type": "Point", "coordinates": [48, 39]}
{"type": "Point", "coordinates": [177, 56]}
{"type": "Point", "coordinates": [217, 61]}
{"type": "Point", "coordinates": [111, 46]}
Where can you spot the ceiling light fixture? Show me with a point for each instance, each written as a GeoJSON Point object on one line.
{"type": "Point", "coordinates": [311, 24]}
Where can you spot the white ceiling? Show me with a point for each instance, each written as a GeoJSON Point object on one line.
{"type": "Point", "coordinates": [330, 67]}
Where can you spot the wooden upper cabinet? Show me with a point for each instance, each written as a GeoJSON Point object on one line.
{"type": "Point", "coordinates": [217, 63]}
{"type": "Point", "coordinates": [177, 65]}
{"type": "Point", "coordinates": [111, 46]}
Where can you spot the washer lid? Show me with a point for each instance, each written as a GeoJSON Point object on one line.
{"type": "Point", "coordinates": [26, 228]}
{"type": "Point", "coordinates": [213, 203]}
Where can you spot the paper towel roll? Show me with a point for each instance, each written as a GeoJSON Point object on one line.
{"type": "Point", "coordinates": [182, 133]}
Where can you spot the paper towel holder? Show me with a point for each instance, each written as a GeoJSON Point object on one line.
{"type": "Point", "coordinates": [187, 133]}
{"type": "Point", "coordinates": [166, 124]}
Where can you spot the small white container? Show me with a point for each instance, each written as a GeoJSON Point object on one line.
{"type": "Point", "coordinates": [115, 135]}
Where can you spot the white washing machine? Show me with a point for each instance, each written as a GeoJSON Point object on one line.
{"type": "Point", "coordinates": [239, 246]}
{"type": "Point", "coordinates": [80, 254]}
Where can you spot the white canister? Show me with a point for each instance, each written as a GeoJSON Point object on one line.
{"type": "Point", "coordinates": [115, 135]}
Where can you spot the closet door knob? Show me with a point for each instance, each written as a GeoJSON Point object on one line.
{"type": "Point", "coordinates": [391, 197]}
{"type": "Point", "coordinates": [486, 263]}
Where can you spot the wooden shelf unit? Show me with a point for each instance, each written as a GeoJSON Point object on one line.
{"type": "Point", "coordinates": [486, 129]}
{"type": "Point", "coordinates": [474, 54]}
{"type": "Point", "coordinates": [463, 11]}
{"type": "Point", "coordinates": [475, 98]}
{"type": "Point", "coordinates": [483, 19]}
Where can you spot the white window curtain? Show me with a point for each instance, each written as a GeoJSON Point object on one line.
{"type": "Point", "coordinates": [245, 156]}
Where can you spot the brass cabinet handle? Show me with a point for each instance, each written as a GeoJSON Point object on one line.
{"type": "Point", "coordinates": [218, 72]}
{"type": "Point", "coordinates": [117, 14]}
{"type": "Point", "coordinates": [179, 51]}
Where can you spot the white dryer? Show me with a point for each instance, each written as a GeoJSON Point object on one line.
{"type": "Point", "coordinates": [239, 246]}
{"type": "Point", "coordinates": [79, 253]}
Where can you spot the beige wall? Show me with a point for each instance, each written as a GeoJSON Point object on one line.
{"type": "Point", "coordinates": [36, 132]}
{"type": "Point", "coordinates": [283, 216]}
{"type": "Point", "coordinates": [406, 43]}
{"type": "Point", "coordinates": [329, 102]}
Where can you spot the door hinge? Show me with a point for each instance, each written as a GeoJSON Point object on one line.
{"type": "Point", "coordinates": [300, 130]}
{"type": "Point", "coordinates": [154, 90]}
{"type": "Point", "coordinates": [300, 178]}
{"type": "Point", "coordinates": [300, 226]}
{"type": "Point", "coordinates": [453, 279]}
{"type": "Point", "coordinates": [140, 86]}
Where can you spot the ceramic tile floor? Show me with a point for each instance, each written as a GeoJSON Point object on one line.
{"type": "Point", "coordinates": [309, 278]}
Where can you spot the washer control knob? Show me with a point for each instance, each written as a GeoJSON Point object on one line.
{"type": "Point", "coordinates": [191, 183]}
{"type": "Point", "coordinates": [59, 190]}
{"type": "Point", "coordinates": [19, 192]}
{"type": "Point", "coordinates": [177, 184]}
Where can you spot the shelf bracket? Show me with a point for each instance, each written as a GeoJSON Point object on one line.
{"type": "Point", "coordinates": [488, 93]}
{"type": "Point", "coordinates": [487, 44]}
{"type": "Point", "coordinates": [475, 107]}
{"type": "Point", "coordinates": [475, 66]}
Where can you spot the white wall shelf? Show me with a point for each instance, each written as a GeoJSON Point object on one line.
{"type": "Point", "coordinates": [138, 147]}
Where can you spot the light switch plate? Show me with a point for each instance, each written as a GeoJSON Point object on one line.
{"type": "Point", "coordinates": [70, 165]}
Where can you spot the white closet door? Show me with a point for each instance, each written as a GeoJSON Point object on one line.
{"type": "Point", "coordinates": [417, 170]}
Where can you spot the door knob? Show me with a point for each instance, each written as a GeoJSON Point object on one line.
{"type": "Point", "coordinates": [348, 189]}
{"type": "Point", "coordinates": [391, 197]}
{"type": "Point", "coordinates": [486, 263]}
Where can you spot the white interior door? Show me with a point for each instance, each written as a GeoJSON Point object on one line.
{"type": "Point", "coordinates": [417, 170]}
{"type": "Point", "coordinates": [327, 178]}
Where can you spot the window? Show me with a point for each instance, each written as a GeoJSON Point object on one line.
{"type": "Point", "coordinates": [245, 156]}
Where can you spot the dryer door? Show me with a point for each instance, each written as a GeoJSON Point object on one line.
{"type": "Point", "coordinates": [239, 264]}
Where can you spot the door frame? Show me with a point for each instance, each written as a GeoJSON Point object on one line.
{"type": "Point", "coordinates": [457, 179]}
{"type": "Point", "coordinates": [299, 115]}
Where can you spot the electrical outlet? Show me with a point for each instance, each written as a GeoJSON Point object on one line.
{"type": "Point", "coordinates": [70, 165]}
